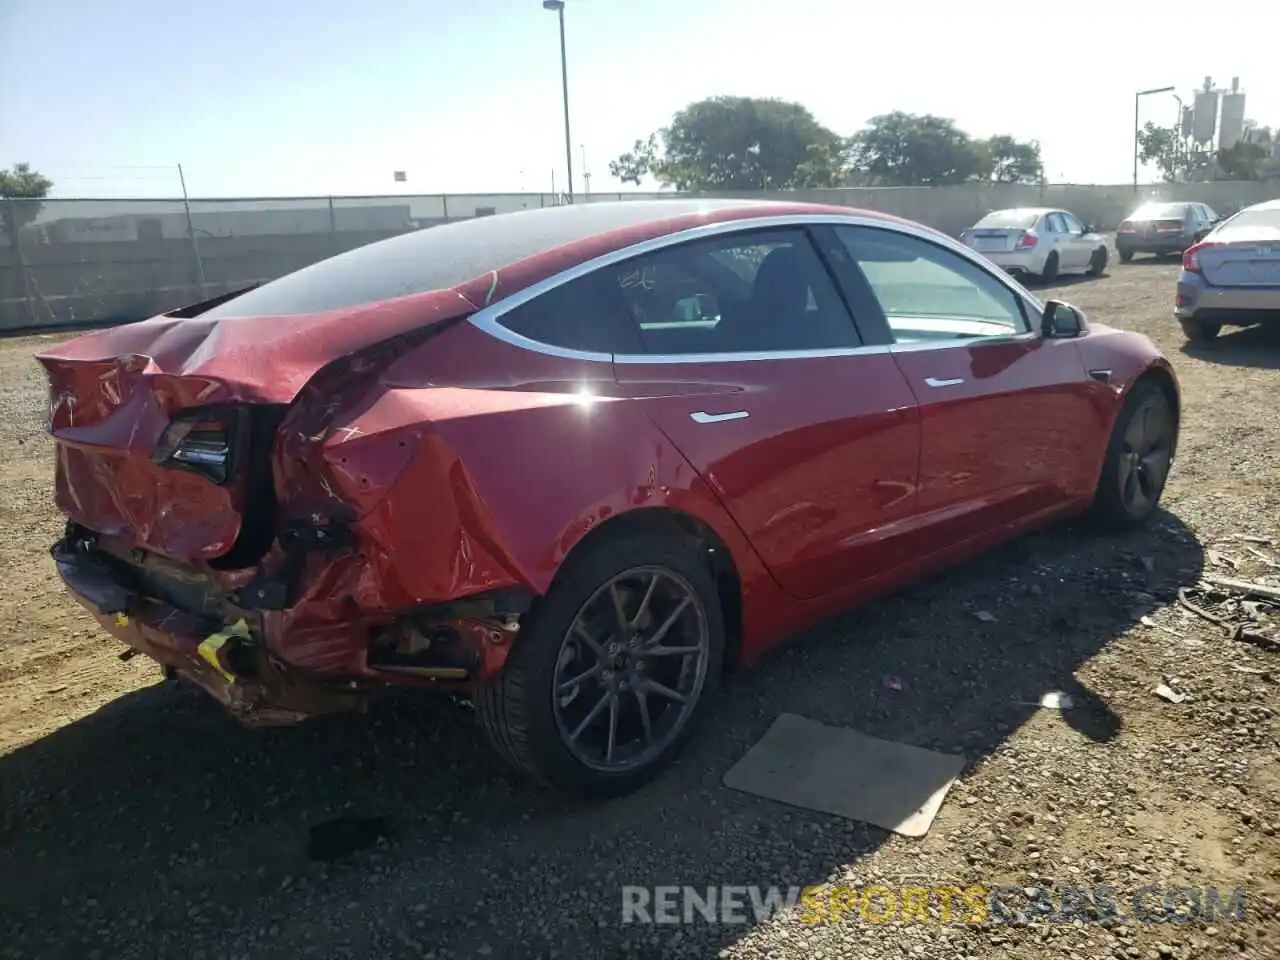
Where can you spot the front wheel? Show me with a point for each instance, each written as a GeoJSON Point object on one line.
{"type": "Point", "coordinates": [1198, 331]}
{"type": "Point", "coordinates": [611, 670]}
{"type": "Point", "coordinates": [1098, 262]}
{"type": "Point", "coordinates": [1139, 455]}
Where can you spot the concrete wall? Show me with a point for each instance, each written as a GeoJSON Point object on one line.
{"type": "Point", "coordinates": [68, 282]}
{"type": "Point", "coordinates": [951, 209]}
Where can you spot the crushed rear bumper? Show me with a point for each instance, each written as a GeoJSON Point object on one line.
{"type": "Point", "coordinates": [220, 650]}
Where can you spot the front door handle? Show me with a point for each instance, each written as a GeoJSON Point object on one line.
{"type": "Point", "coordinates": [935, 382]}
{"type": "Point", "coordinates": [703, 417]}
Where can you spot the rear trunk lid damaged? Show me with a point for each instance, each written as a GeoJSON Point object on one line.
{"type": "Point", "coordinates": [165, 429]}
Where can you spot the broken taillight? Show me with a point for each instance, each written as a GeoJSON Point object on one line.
{"type": "Point", "coordinates": [200, 445]}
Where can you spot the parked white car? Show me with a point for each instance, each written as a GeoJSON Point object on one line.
{"type": "Point", "coordinates": [1040, 242]}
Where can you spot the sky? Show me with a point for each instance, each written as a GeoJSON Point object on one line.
{"type": "Point", "coordinates": [329, 97]}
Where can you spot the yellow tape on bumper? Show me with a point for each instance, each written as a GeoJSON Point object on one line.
{"type": "Point", "coordinates": [211, 644]}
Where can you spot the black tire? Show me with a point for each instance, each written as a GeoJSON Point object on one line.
{"type": "Point", "coordinates": [517, 710]}
{"type": "Point", "coordinates": [1098, 262]}
{"type": "Point", "coordinates": [1114, 507]}
{"type": "Point", "coordinates": [1200, 331]}
{"type": "Point", "coordinates": [1050, 271]}
{"type": "Point", "coordinates": [1125, 255]}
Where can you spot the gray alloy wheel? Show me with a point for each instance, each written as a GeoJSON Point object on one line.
{"type": "Point", "coordinates": [1139, 457]}
{"type": "Point", "coordinates": [630, 669]}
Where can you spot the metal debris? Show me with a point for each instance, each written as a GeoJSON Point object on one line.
{"type": "Point", "coordinates": [1221, 559]}
{"type": "Point", "coordinates": [1165, 692]}
{"type": "Point", "coordinates": [1245, 588]}
{"type": "Point", "coordinates": [1263, 557]}
{"type": "Point", "coordinates": [1199, 611]}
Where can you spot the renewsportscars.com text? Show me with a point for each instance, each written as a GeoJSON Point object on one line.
{"type": "Point", "coordinates": [939, 903]}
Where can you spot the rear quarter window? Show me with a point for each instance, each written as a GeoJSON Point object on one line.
{"type": "Point", "coordinates": [587, 314]}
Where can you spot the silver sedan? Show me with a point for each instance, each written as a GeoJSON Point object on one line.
{"type": "Point", "coordinates": [1232, 277]}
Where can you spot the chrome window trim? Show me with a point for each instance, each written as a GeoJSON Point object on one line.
{"type": "Point", "coordinates": [913, 346]}
{"type": "Point", "coordinates": [638, 358]}
{"type": "Point", "coordinates": [488, 318]}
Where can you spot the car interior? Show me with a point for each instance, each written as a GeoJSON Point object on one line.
{"type": "Point", "coordinates": [718, 301]}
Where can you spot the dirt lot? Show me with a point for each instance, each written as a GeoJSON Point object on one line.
{"type": "Point", "coordinates": [139, 821]}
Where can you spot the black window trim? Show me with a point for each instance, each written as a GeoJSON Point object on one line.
{"type": "Point", "coordinates": [488, 318]}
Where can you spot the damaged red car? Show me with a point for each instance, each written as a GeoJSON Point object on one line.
{"type": "Point", "coordinates": [574, 463]}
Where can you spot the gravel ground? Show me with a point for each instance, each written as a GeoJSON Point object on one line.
{"type": "Point", "coordinates": [138, 821]}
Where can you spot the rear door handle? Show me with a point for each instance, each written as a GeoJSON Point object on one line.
{"type": "Point", "coordinates": [935, 382]}
{"type": "Point", "coordinates": [703, 417]}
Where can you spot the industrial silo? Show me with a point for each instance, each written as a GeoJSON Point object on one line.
{"type": "Point", "coordinates": [1231, 122]}
{"type": "Point", "coordinates": [1205, 118]}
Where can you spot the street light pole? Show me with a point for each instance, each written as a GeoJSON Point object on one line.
{"type": "Point", "coordinates": [557, 6]}
{"type": "Point", "coordinates": [1178, 127]}
{"type": "Point", "coordinates": [1137, 131]}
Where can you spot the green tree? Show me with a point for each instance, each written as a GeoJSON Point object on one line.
{"type": "Point", "coordinates": [23, 189]}
{"type": "Point", "coordinates": [1242, 161]}
{"type": "Point", "coordinates": [1012, 161]}
{"type": "Point", "coordinates": [908, 150]}
{"type": "Point", "coordinates": [737, 143]}
{"type": "Point", "coordinates": [21, 193]}
{"type": "Point", "coordinates": [637, 163]}
{"type": "Point", "coordinates": [826, 164]}
{"type": "Point", "coordinates": [1163, 147]}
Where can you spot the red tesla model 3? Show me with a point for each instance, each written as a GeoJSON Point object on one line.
{"type": "Point", "coordinates": [574, 463]}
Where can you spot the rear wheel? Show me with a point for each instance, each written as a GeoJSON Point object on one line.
{"type": "Point", "coordinates": [612, 669]}
{"type": "Point", "coordinates": [1050, 271]}
{"type": "Point", "coordinates": [1125, 255]}
{"type": "Point", "coordinates": [1139, 455]}
{"type": "Point", "coordinates": [1098, 262]}
{"type": "Point", "coordinates": [1199, 331]}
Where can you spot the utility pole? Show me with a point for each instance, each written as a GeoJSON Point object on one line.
{"type": "Point", "coordinates": [557, 7]}
{"type": "Point", "coordinates": [191, 232]}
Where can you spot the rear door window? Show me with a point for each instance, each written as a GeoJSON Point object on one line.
{"type": "Point", "coordinates": [748, 292]}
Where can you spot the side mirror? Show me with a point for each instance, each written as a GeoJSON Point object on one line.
{"type": "Point", "coordinates": [1061, 321]}
{"type": "Point", "coordinates": [1090, 228]}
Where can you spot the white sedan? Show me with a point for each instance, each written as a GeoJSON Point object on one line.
{"type": "Point", "coordinates": [1041, 242]}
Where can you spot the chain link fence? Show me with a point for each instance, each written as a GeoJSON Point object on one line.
{"type": "Point", "coordinates": [90, 262]}
{"type": "Point", "coordinates": [75, 263]}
